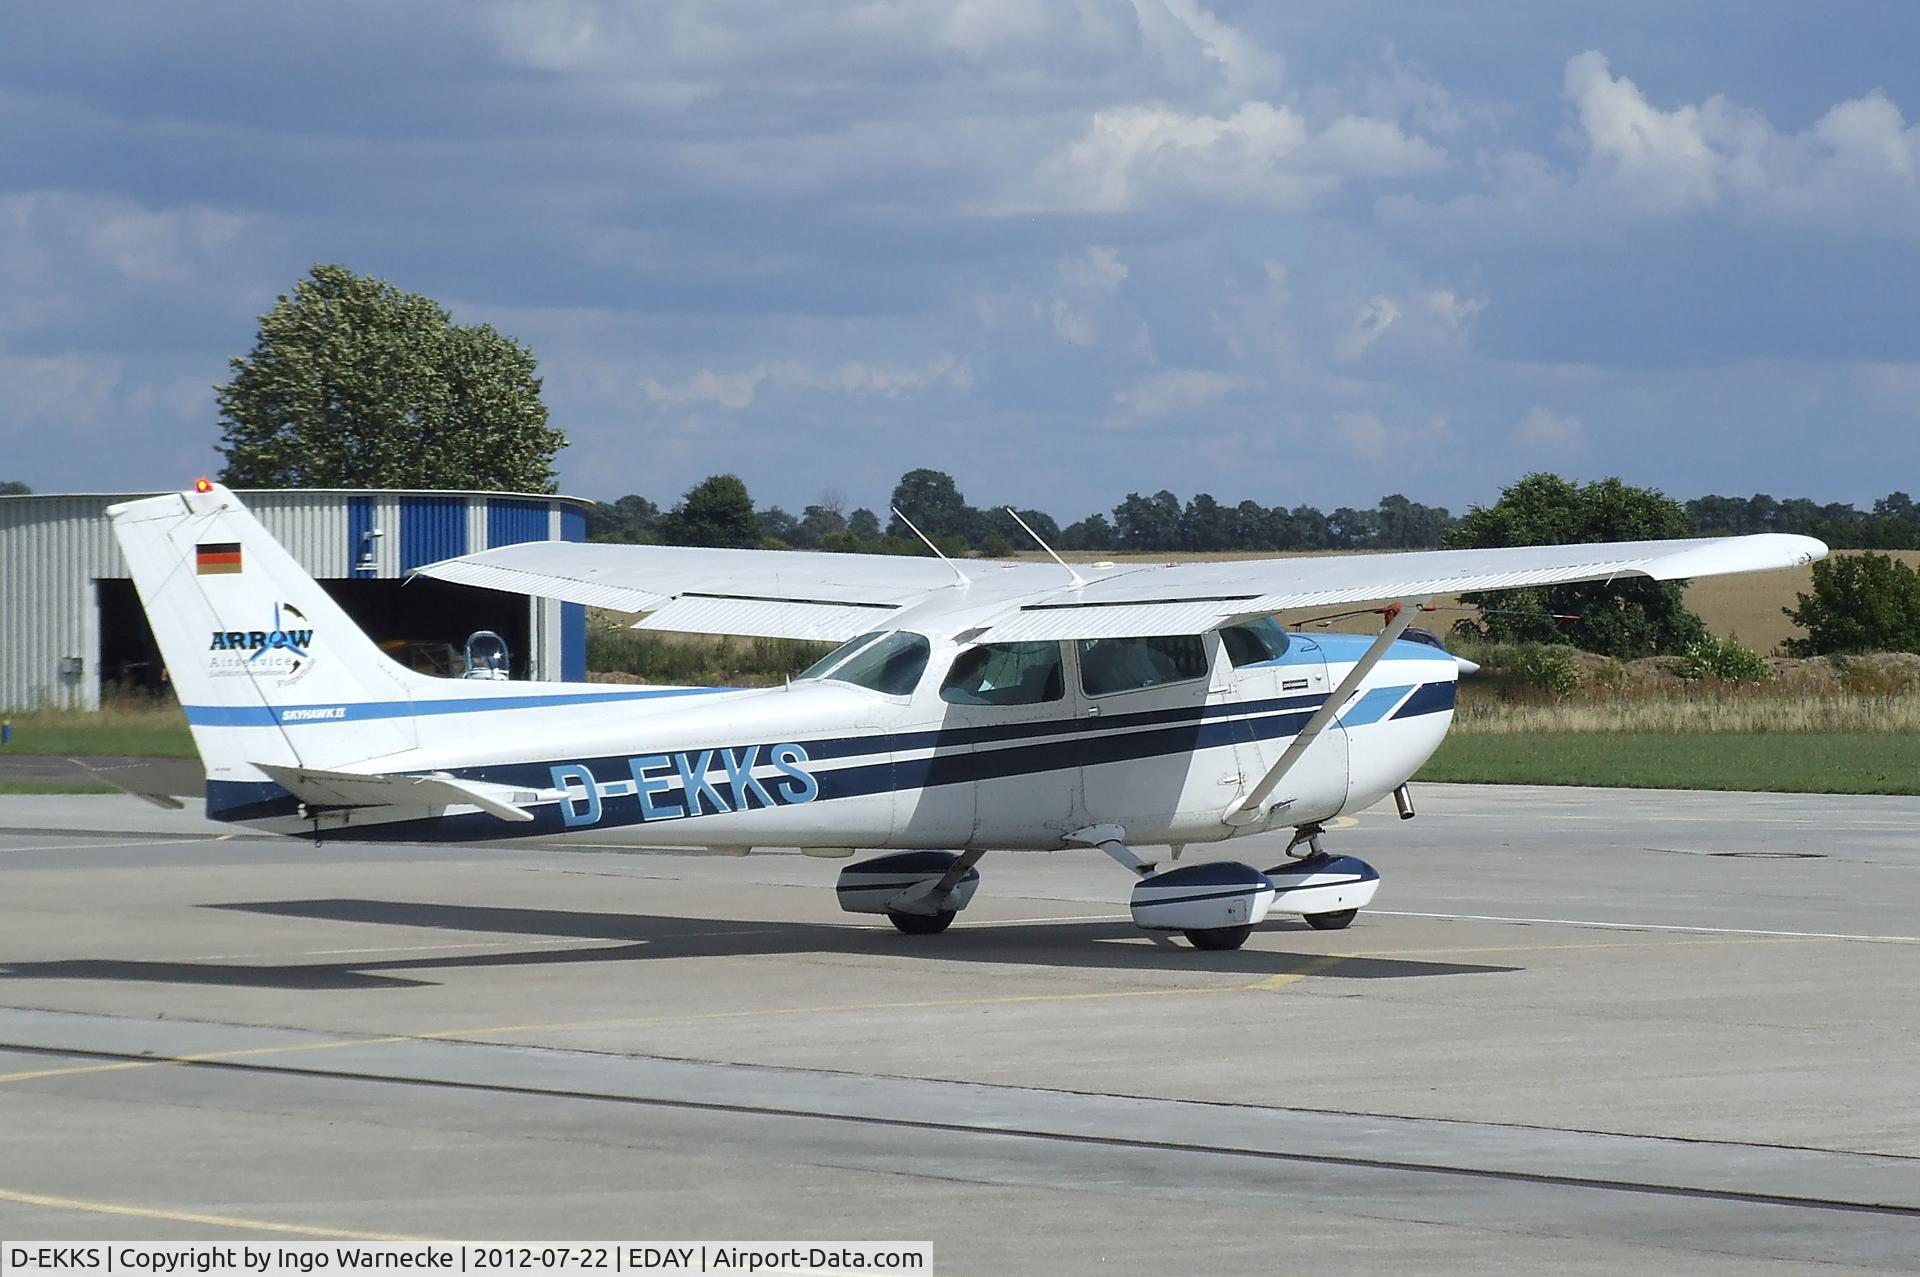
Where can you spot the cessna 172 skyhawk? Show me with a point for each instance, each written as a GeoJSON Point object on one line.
{"type": "Point", "coordinates": [971, 707]}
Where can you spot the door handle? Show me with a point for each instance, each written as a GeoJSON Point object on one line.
{"type": "Point", "coordinates": [1093, 711]}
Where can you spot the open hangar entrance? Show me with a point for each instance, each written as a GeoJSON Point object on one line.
{"type": "Point", "coordinates": [421, 623]}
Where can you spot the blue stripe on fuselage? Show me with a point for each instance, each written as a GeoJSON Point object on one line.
{"type": "Point", "coordinates": [336, 712]}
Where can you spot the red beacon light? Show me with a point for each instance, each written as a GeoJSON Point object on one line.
{"type": "Point", "coordinates": [202, 485]}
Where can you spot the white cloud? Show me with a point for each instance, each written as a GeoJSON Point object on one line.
{"type": "Point", "coordinates": [1174, 390]}
{"type": "Point", "coordinates": [1548, 431]}
{"type": "Point", "coordinates": [1369, 326]}
{"type": "Point", "coordinates": [54, 244]}
{"type": "Point", "coordinates": [1099, 267]}
{"type": "Point", "coordinates": [1259, 154]}
{"type": "Point", "coordinates": [1856, 168]}
{"type": "Point", "coordinates": [735, 391]}
{"type": "Point", "coordinates": [1366, 436]}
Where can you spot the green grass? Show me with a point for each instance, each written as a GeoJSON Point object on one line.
{"type": "Point", "coordinates": [1794, 762]}
{"type": "Point", "coordinates": [157, 731]}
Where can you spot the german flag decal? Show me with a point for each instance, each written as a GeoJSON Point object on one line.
{"type": "Point", "coordinates": [217, 559]}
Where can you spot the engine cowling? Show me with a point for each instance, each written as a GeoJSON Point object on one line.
{"type": "Point", "coordinates": [899, 882]}
{"type": "Point", "coordinates": [1203, 897]}
{"type": "Point", "coordinates": [1323, 884]}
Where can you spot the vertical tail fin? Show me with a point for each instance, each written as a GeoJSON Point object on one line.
{"type": "Point", "coordinates": [268, 667]}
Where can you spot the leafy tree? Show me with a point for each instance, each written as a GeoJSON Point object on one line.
{"type": "Point", "coordinates": [353, 383]}
{"type": "Point", "coordinates": [997, 522]}
{"type": "Point", "coordinates": [777, 525]}
{"type": "Point", "coordinates": [632, 519]}
{"type": "Point", "coordinates": [864, 524]}
{"type": "Point", "coordinates": [1630, 617]}
{"type": "Point", "coordinates": [715, 511]}
{"type": "Point", "coordinates": [931, 499]}
{"type": "Point", "coordinates": [1860, 603]}
{"type": "Point", "coordinates": [1090, 533]}
{"type": "Point", "coordinates": [818, 521]}
{"type": "Point", "coordinates": [1207, 525]}
{"type": "Point", "coordinates": [1147, 523]}
{"type": "Point", "coordinates": [1408, 525]}
{"type": "Point", "coordinates": [14, 488]}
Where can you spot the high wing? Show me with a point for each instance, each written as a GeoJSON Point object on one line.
{"type": "Point", "coordinates": [781, 594]}
{"type": "Point", "coordinates": [766, 594]}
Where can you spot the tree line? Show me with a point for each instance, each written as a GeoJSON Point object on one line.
{"type": "Point", "coordinates": [720, 511]}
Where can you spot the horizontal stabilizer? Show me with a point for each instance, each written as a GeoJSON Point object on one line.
{"type": "Point", "coordinates": [355, 789]}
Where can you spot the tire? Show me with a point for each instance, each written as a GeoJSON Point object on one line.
{"type": "Point", "coordinates": [1335, 921]}
{"type": "Point", "coordinates": [1216, 939]}
{"type": "Point", "coordinates": [921, 924]}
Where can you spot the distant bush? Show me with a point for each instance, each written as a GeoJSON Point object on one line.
{"type": "Point", "coordinates": [1860, 603]}
{"type": "Point", "coordinates": [1725, 659]}
{"type": "Point", "coordinates": [1545, 667]}
{"type": "Point", "coordinates": [697, 661]}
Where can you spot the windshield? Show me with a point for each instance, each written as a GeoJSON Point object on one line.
{"type": "Point", "coordinates": [890, 662]}
{"type": "Point", "coordinates": [1255, 642]}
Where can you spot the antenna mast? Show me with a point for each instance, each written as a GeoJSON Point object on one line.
{"type": "Point", "coordinates": [1079, 582]}
{"type": "Point", "coordinates": [931, 546]}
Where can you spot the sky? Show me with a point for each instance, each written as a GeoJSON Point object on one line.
{"type": "Point", "coordinates": [1063, 251]}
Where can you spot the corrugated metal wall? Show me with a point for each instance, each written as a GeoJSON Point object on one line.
{"type": "Point", "coordinates": [53, 548]}
{"type": "Point", "coordinates": [573, 616]}
{"type": "Point", "coordinates": [431, 529]}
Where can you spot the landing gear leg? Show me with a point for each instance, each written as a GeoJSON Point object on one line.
{"type": "Point", "coordinates": [936, 894]}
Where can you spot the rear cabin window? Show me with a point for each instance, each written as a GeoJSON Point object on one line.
{"type": "Point", "coordinates": [1005, 674]}
{"type": "Point", "coordinates": [887, 662]}
{"type": "Point", "coordinates": [1111, 665]}
{"type": "Point", "coordinates": [1255, 642]}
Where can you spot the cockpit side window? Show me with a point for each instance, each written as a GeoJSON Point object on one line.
{"type": "Point", "coordinates": [890, 662]}
{"type": "Point", "coordinates": [1255, 642]}
{"type": "Point", "coordinates": [1005, 674]}
{"type": "Point", "coordinates": [1128, 664]}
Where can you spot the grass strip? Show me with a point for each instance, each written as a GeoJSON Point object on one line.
{"type": "Point", "coordinates": [1785, 762]}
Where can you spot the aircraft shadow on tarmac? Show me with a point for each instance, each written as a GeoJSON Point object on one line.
{"type": "Point", "coordinates": [1111, 945]}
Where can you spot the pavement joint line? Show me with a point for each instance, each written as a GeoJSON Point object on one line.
{"type": "Point", "coordinates": [195, 1217]}
{"type": "Point", "coordinates": [1642, 1187]}
{"type": "Point", "coordinates": [102, 846]}
{"type": "Point", "coordinates": [1650, 926]}
{"type": "Point", "coordinates": [203, 1057]}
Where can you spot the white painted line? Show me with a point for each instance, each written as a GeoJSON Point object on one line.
{"type": "Point", "coordinates": [1648, 926]}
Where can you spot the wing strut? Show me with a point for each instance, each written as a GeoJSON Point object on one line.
{"type": "Point", "coordinates": [1247, 810]}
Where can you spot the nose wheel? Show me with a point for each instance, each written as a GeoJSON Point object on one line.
{"type": "Point", "coordinates": [921, 924]}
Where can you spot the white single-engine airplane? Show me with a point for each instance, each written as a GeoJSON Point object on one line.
{"type": "Point", "coordinates": [984, 706]}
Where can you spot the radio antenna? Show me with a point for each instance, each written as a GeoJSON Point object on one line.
{"type": "Point", "coordinates": [1079, 582]}
{"type": "Point", "coordinates": [931, 546]}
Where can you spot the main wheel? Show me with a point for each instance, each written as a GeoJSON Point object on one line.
{"type": "Point", "coordinates": [1335, 921]}
{"type": "Point", "coordinates": [1216, 938]}
{"type": "Point", "coordinates": [921, 924]}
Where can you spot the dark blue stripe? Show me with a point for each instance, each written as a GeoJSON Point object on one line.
{"type": "Point", "coordinates": [1430, 698]}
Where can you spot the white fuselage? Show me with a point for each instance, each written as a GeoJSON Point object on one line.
{"type": "Point", "coordinates": [821, 763]}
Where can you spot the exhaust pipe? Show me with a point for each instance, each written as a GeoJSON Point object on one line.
{"type": "Point", "coordinates": [1403, 799]}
